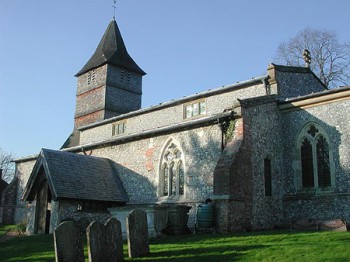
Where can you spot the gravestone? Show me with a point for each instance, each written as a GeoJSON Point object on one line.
{"type": "Point", "coordinates": [105, 242]}
{"type": "Point", "coordinates": [333, 225]}
{"type": "Point", "coordinates": [68, 243]}
{"type": "Point", "coordinates": [137, 234]}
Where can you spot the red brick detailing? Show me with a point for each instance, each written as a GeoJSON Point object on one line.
{"type": "Point", "coordinates": [92, 91]}
{"type": "Point", "coordinates": [227, 159]}
{"type": "Point", "coordinates": [149, 157]}
{"type": "Point", "coordinates": [89, 118]}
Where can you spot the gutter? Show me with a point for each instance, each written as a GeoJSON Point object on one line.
{"type": "Point", "coordinates": [215, 91]}
{"type": "Point", "coordinates": [316, 99]}
{"type": "Point", "coordinates": [153, 132]}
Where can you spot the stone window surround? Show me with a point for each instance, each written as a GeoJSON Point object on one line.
{"type": "Point", "coordinates": [297, 167]}
{"type": "Point", "coordinates": [160, 183]}
{"type": "Point", "coordinates": [118, 128]}
{"type": "Point", "coordinates": [201, 112]}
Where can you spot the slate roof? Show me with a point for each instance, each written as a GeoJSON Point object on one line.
{"type": "Point", "coordinates": [74, 176]}
{"type": "Point", "coordinates": [72, 140]}
{"type": "Point", "coordinates": [111, 50]}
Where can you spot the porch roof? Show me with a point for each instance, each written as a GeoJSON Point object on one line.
{"type": "Point", "coordinates": [75, 176]}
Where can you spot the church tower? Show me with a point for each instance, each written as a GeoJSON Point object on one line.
{"type": "Point", "coordinates": [110, 83]}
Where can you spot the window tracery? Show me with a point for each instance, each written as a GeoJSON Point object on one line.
{"type": "Point", "coordinates": [172, 177]}
{"type": "Point", "coordinates": [315, 157]}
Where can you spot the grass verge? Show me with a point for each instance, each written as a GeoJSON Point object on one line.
{"type": "Point", "coordinates": [255, 246]}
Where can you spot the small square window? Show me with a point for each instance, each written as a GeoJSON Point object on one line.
{"type": "Point", "coordinates": [202, 108]}
{"type": "Point", "coordinates": [189, 110]}
{"type": "Point", "coordinates": [118, 128]}
{"type": "Point", "coordinates": [195, 109]}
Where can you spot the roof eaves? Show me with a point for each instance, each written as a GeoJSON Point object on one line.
{"type": "Point", "coordinates": [317, 94]}
{"type": "Point", "coordinates": [151, 132]}
{"type": "Point", "coordinates": [174, 102]}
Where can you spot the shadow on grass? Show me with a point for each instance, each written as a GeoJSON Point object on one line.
{"type": "Point", "coordinates": [219, 253]}
{"type": "Point", "coordinates": [257, 246]}
{"type": "Point", "coordinates": [30, 248]}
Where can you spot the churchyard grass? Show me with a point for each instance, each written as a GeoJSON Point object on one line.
{"type": "Point", "coordinates": [5, 229]}
{"type": "Point", "coordinates": [255, 246]}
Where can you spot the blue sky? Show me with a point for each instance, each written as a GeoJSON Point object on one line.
{"type": "Point", "coordinates": [185, 46]}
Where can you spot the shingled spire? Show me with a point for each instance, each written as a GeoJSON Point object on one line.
{"type": "Point", "coordinates": [111, 50]}
{"type": "Point", "coordinates": [110, 83]}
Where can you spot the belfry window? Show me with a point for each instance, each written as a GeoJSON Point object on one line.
{"type": "Point", "coordinates": [172, 175]}
{"type": "Point", "coordinates": [315, 159]}
{"type": "Point", "coordinates": [91, 77]}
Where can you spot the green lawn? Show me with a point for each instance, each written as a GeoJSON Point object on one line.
{"type": "Point", "coordinates": [256, 246]}
{"type": "Point", "coordinates": [5, 229]}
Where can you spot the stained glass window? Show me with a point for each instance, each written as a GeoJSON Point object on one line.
{"type": "Point", "coordinates": [307, 169]}
{"type": "Point", "coordinates": [173, 176]}
{"type": "Point", "coordinates": [165, 180]}
{"type": "Point", "coordinates": [323, 167]}
{"type": "Point", "coordinates": [181, 178]}
{"type": "Point", "coordinates": [315, 158]}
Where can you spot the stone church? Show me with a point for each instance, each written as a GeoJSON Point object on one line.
{"type": "Point", "coordinates": [267, 151]}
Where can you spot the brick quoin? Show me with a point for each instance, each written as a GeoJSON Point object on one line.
{"type": "Point", "coordinates": [149, 156]}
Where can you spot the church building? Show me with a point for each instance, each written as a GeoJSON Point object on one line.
{"type": "Point", "coordinates": [266, 151]}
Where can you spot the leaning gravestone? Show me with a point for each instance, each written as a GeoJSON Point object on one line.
{"type": "Point", "coordinates": [137, 233]}
{"type": "Point", "coordinates": [105, 242]}
{"type": "Point", "coordinates": [68, 243]}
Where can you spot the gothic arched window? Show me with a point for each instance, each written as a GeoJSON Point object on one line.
{"type": "Point", "coordinates": [172, 176]}
{"type": "Point", "coordinates": [315, 158]}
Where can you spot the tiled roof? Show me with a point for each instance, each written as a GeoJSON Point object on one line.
{"type": "Point", "coordinates": [111, 50]}
{"type": "Point", "coordinates": [74, 176]}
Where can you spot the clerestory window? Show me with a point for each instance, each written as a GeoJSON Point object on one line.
{"type": "Point", "coordinates": [172, 175]}
{"type": "Point", "coordinates": [194, 109]}
{"type": "Point", "coordinates": [118, 128]}
{"type": "Point", "coordinates": [315, 159]}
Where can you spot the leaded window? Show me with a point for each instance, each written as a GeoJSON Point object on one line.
{"type": "Point", "coordinates": [315, 158]}
{"type": "Point", "coordinates": [118, 128]}
{"type": "Point", "coordinates": [307, 166]}
{"type": "Point", "coordinates": [172, 178]}
{"type": "Point", "coordinates": [194, 109]}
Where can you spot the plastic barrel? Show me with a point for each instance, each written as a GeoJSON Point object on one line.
{"type": "Point", "coordinates": [205, 216]}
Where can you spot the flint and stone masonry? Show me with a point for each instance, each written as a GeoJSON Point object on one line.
{"type": "Point", "coordinates": [177, 154]}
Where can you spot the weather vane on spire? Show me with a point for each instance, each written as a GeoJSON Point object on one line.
{"type": "Point", "coordinates": [114, 8]}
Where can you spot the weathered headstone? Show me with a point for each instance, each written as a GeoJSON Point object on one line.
{"type": "Point", "coordinates": [68, 243]}
{"type": "Point", "coordinates": [333, 225]}
{"type": "Point", "coordinates": [137, 234]}
{"type": "Point", "coordinates": [114, 240]}
{"type": "Point", "coordinates": [105, 242]}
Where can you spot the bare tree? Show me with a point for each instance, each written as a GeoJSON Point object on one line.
{"type": "Point", "coordinates": [330, 60]}
{"type": "Point", "coordinates": [6, 165]}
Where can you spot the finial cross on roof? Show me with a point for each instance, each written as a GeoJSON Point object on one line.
{"type": "Point", "coordinates": [307, 57]}
{"type": "Point", "coordinates": [114, 7]}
